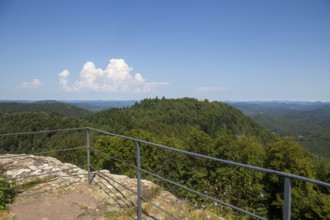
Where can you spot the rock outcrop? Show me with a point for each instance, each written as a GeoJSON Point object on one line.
{"type": "Point", "coordinates": [49, 189]}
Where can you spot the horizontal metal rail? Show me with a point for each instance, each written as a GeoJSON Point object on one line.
{"type": "Point", "coordinates": [204, 195]}
{"type": "Point", "coordinates": [287, 176]}
{"type": "Point", "coordinates": [158, 207]}
{"type": "Point", "coordinates": [113, 158]}
{"type": "Point", "coordinates": [104, 176]}
{"type": "Point", "coordinates": [265, 170]}
{"type": "Point", "coordinates": [112, 194]}
{"type": "Point", "coordinates": [182, 186]}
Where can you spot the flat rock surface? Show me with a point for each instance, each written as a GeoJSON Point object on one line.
{"type": "Point", "coordinates": [77, 204]}
{"type": "Point", "coordinates": [62, 191]}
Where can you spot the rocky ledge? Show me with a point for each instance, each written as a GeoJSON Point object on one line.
{"type": "Point", "coordinates": [55, 190]}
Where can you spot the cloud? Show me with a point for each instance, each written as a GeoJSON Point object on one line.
{"type": "Point", "coordinates": [36, 83]}
{"type": "Point", "coordinates": [115, 78]}
{"type": "Point", "coordinates": [211, 89]}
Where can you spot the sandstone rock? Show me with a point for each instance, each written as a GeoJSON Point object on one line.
{"type": "Point", "coordinates": [62, 191]}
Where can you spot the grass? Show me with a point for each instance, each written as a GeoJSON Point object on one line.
{"type": "Point", "coordinates": [121, 214]}
{"type": "Point", "coordinates": [83, 207]}
{"type": "Point", "coordinates": [151, 193]}
{"type": "Point", "coordinates": [5, 215]}
{"type": "Point", "coordinates": [18, 188]}
{"type": "Point", "coordinates": [185, 210]}
{"type": "Point", "coordinates": [6, 193]}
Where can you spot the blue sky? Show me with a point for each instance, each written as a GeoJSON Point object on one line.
{"type": "Point", "coordinates": [227, 50]}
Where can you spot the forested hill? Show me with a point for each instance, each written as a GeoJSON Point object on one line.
{"type": "Point", "coordinates": [35, 121]}
{"type": "Point", "coordinates": [210, 128]}
{"type": "Point", "coordinates": [177, 117]}
{"type": "Point", "coordinates": [221, 131]}
{"type": "Point", "coordinates": [307, 122]}
{"type": "Point", "coordinates": [46, 106]}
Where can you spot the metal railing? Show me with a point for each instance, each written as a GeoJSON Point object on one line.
{"type": "Point", "coordinates": [287, 177]}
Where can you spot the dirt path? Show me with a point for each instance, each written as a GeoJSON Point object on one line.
{"type": "Point", "coordinates": [51, 190]}
{"type": "Point", "coordinates": [67, 205]}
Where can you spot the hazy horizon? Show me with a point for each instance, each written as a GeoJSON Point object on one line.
{"type": "Point", "coordinates": [128, 100]}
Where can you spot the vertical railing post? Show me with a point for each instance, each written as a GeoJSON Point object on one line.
{"type": "Point", "coordinates": [138, 176]}
{"type": "Point", "coordinates": [88, 158]}
{"type": "Point", "coordinates": [287, 199]}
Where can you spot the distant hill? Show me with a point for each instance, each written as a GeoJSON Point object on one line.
{"type": "Point", "coordinates": [215, 129]}
{"type": "Point", "coordinates": [102, 104]}
{"type": "Point", "coordinates": [276, 109]}
{"type": "Point", "coordinates": [89, 105]}
{"type": "Point", "coordinates": [44, 106]}
{"type": "Point", "coordinates": [35, 121]}
{"type": "Point", "coordinates": [308, 122]}
{"type": "Point", "coordinates": [176, 117]}
{"type": "Point", "coordinates": [211, 128]}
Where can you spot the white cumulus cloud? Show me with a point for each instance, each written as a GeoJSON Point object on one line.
{"type": "Point", "coordinates": [36, 83]}
{"type": "Point", "coordinates": [117, 77]}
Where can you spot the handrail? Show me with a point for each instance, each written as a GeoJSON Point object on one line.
{"type": "Point", "coordinates": [204, 195]}
{"type": "Point", "coordinates": [265, 170]}
{"type": "Point", "coordinates": [179, 185]}
{"type": "Point", "coordinates": [287, 176]}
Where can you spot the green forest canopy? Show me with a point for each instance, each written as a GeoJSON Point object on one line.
{"type": "Point", "coordinates": [307, 122]}
{"type": "Point", "coordinates": [210, 128]}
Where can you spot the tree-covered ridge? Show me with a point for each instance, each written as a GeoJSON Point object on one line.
{"type": "Point", "coordinates": [35, 121]}
{"type": "Point", "coordinates": [308, 123]}
{"type": "Point", "coordinates": [251, 190]}
{"type": "Point", "coordinates": [99, 105]}
{"type": "Point", "coordinates": [50, 107]}
{"type": "Point", "coordinates": [221, 131]}
{"type": "Point", "coordinates": [204, 127]}
{"type": "Point", "coordinates": [35, 143]}
{"type": "Point", "coordinates": [177, 117]}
